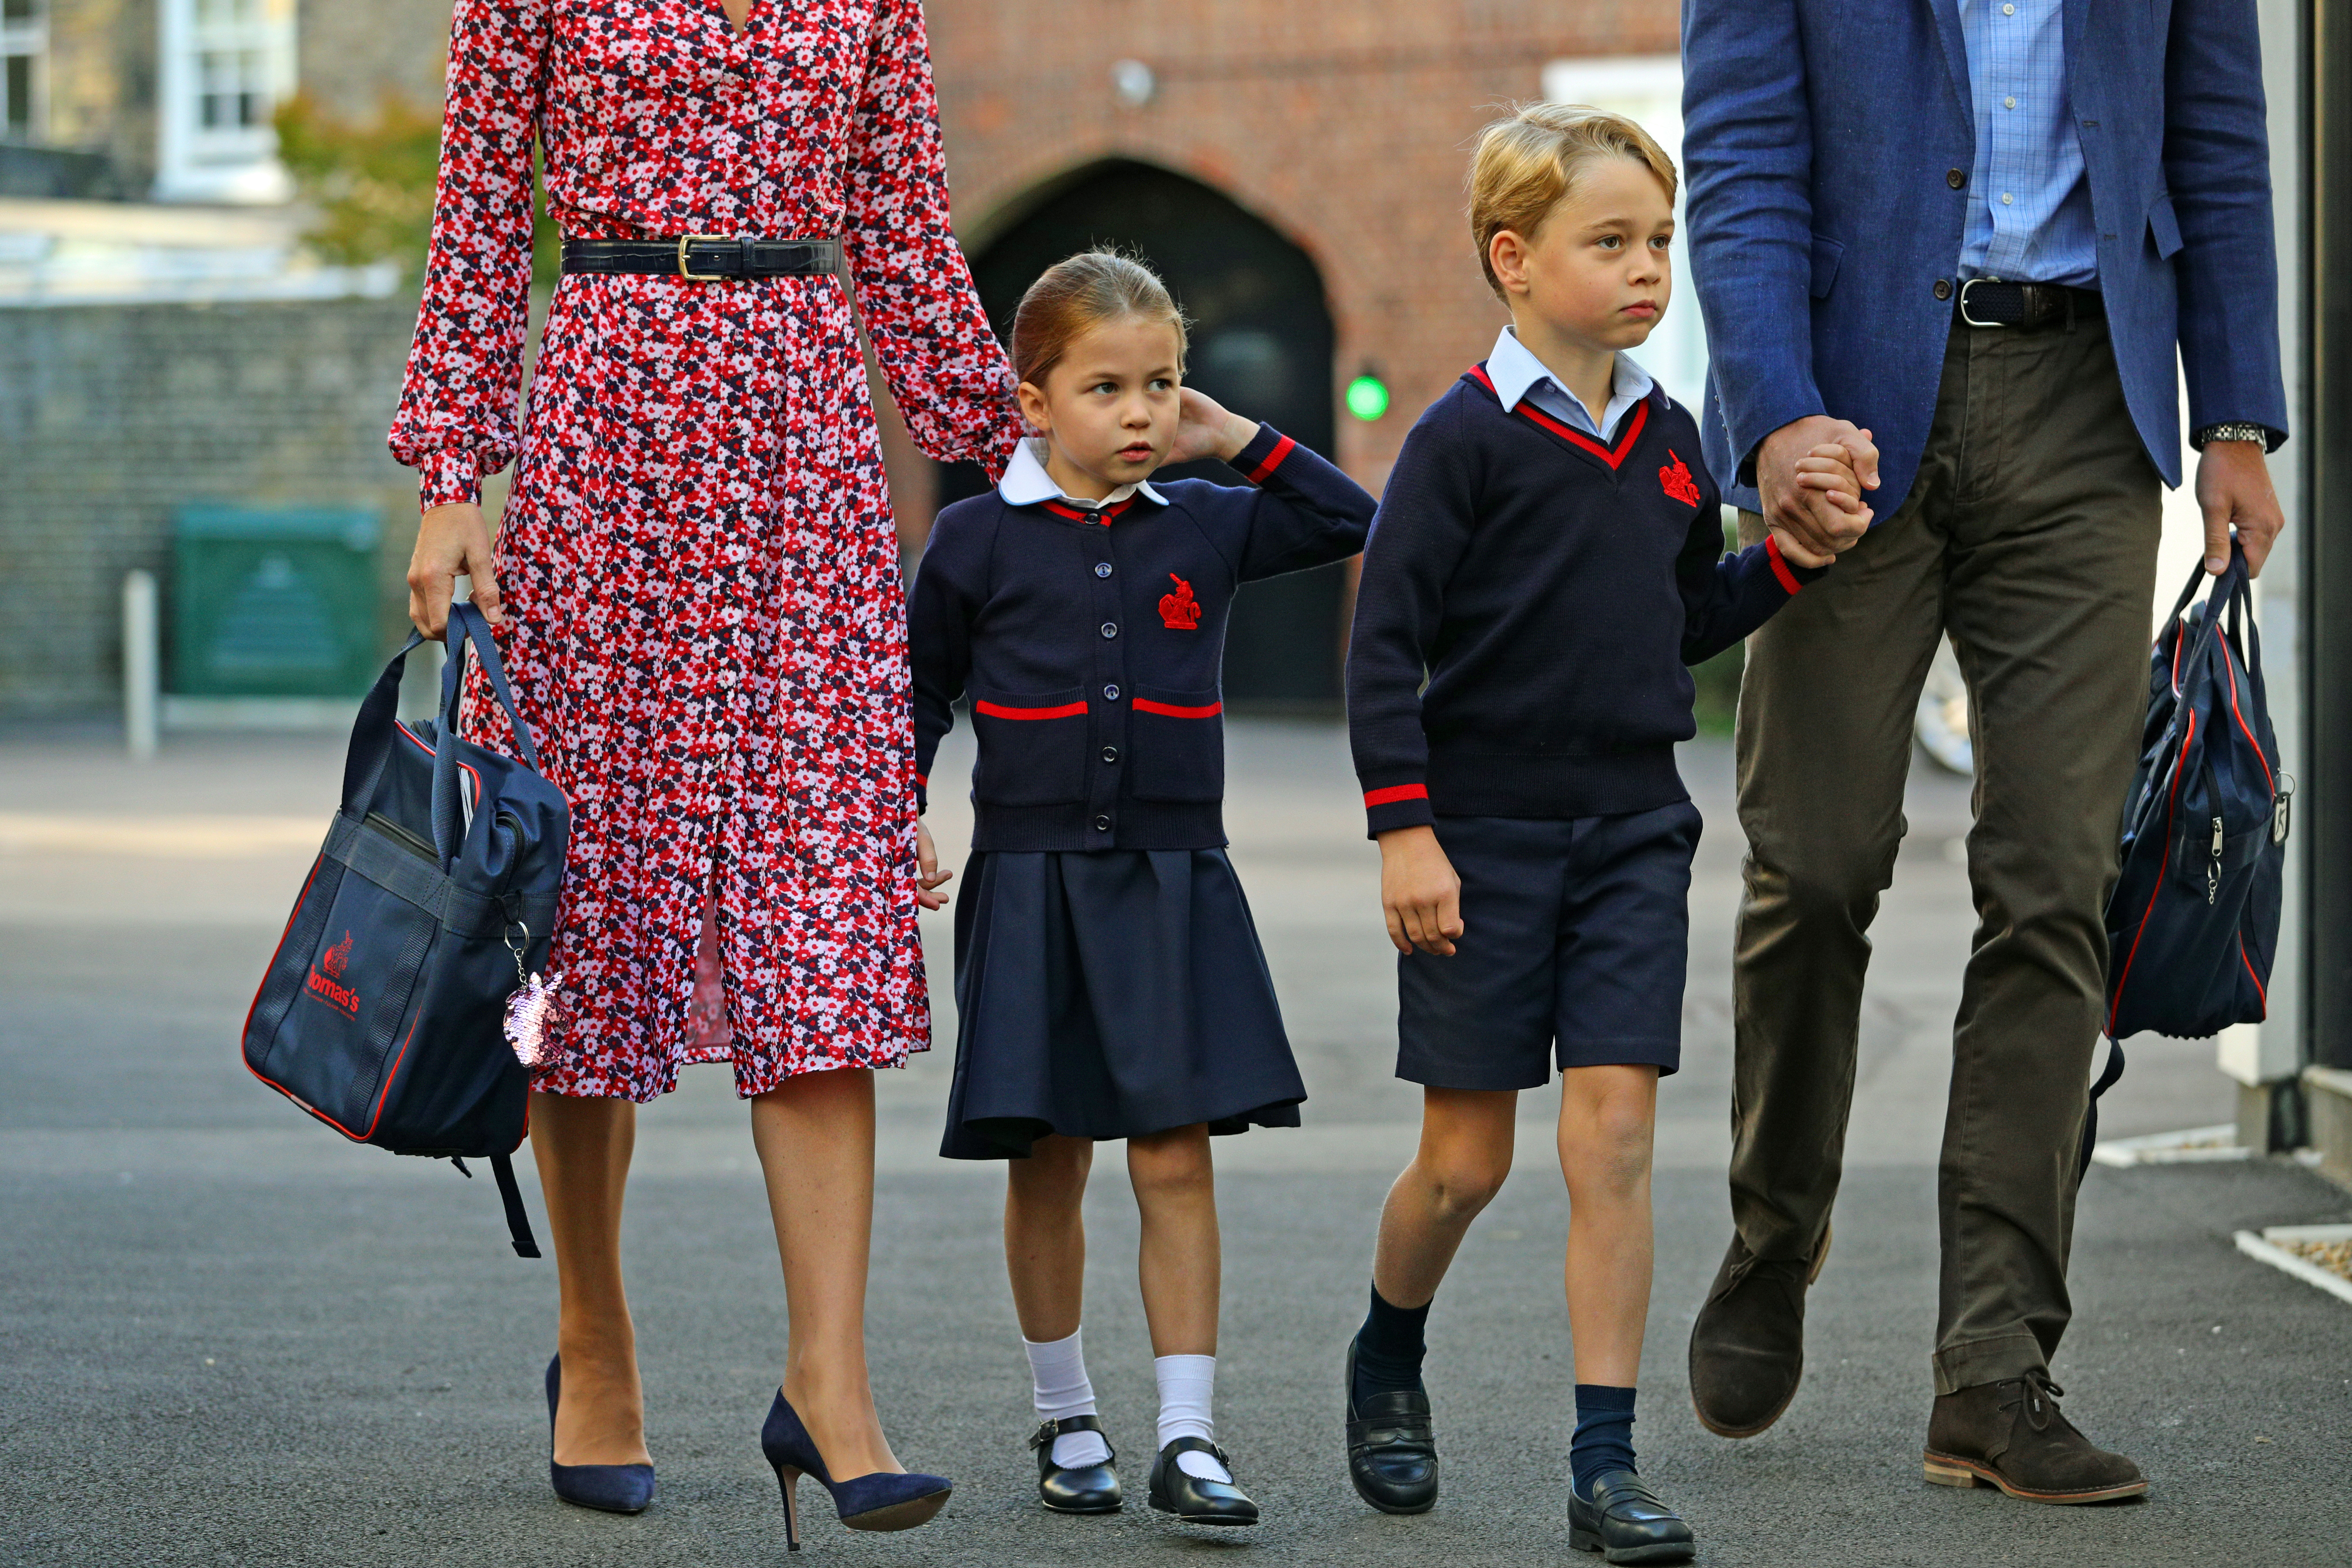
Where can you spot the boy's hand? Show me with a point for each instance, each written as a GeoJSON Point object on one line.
{"type": "Point", "coordinates": [1419, 892]}
{"type": "Point", "coordinates": [1828, 472]}
{"type": "Point", "coordinates": [1205, 429]}
{"type": "Point", "coordinates": [1790, 509]}
{"type": "Point", "coordinates": [928, 875]}
{"type": "Point", "coordinates": [1797, 553]}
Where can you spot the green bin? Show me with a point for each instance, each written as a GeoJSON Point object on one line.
{"type": "Point", "coordinates": [275, 601]}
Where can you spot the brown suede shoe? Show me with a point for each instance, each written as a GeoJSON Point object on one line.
{"type": "Point", "coordinates": [1748, 1347]}
{"type": "Point", "coordinates": [2010, 1435]}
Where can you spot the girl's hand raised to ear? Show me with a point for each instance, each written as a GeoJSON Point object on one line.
{"type": "Point", "coordinates": [1205, 429]}
{"type": "Point", "coordinates": [927, 873]}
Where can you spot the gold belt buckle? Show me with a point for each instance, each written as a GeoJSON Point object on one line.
{"type": "Point", "coordinates": [686, 239]}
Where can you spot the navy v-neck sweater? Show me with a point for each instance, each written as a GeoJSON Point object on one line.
{"type": "Point", "coordinates": [1530, 599]}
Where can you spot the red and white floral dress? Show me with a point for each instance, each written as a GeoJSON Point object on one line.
{"type": "Point", "coordinates": [705, 623]}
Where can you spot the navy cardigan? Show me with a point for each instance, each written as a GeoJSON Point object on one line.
{"type": "Point", "coordinates": [1091, 643]}
{"type": "Point", "coordinates": [1529, 599]}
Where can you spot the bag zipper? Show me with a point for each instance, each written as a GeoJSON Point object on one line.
{"type": "Point", "coordinates": [2213, 867]}
{"type": "Point", "coordinates": [401, 836]}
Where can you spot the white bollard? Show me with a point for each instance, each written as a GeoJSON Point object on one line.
{"type": "Point", "coordinates": [141, 677]}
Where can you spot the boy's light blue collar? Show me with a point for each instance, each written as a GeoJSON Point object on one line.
{"type": "Point", "coordinates": [1514, 368]}
{"type": "Point", "coordinates": [1026, 482]}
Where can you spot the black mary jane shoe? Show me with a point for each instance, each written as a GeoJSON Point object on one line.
{"type": "Point", "coordinates": [1191, 1498]}
{"type": "Point", "coordinates": [1391, 1447]}
{"type": "Point", "coordinates": [1625, 1522]}
{"type": "Point", "coordinates": [1075, 1488]}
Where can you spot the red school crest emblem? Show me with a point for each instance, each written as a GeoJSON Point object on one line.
{"type": "Point", "coordinates": [1676, 482]}
{"type": "Point", "coordinates": [1180, 611]}
{"type": "Point", "coordinates": [334, 959]}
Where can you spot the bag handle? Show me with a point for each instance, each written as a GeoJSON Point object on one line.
{"type": "Point", "coordinates": [372, 732]}
{"type": "Point", "coordinates": [467, 628]}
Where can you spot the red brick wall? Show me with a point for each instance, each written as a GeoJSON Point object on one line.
{"type": "Point", "coordinates": [1344, 124]}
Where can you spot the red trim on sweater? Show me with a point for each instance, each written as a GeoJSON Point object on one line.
{"type": "Point", "coordinates": [1273, 460]}
{"type": "Point", "coordinates": [1780, 565]}
{"type": "Point", "coordinates": [998, 711]}
{"type": "Point", "coordinates": [1144, 705]}
{"type": "Point", "coordinates": [1393, 794]}
{"type": "Point", "coordinates": [1061, 509]}
{"type": "Point", "coordinates": [1541, 420]}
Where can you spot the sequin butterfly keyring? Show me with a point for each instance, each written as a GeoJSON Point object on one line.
{"type": "Point", "coordinates": [528, 1006]}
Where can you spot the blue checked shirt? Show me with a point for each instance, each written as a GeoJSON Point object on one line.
{"type": "Point", "coordinates": [2029, 199]}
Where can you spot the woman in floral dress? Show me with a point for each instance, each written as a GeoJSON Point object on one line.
{"type": "Point", "coordinates": [695, 588]}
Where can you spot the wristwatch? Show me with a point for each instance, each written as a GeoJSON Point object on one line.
{"type": "Point", "coordinates": [2237, 430]}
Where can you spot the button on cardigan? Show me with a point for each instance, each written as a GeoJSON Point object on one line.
{"type": "Point", "coordinates": [1091, 643]}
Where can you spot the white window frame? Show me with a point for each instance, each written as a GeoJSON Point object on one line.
{"type": "Point", "coordinates": [28, 40]}
{"type": "Point", "coordinates": [200, 163]}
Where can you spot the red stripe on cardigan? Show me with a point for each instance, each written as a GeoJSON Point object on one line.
{"type": "Point", "coordinates": [1395, 793]}
{"type": "Point", "coordinates": [1273, 460]}
{"type": "Point", "coordinates": [1144, 705]}
{"type": "Point", "coordinates": [998, 711]}
{"type": "Point", "coordinates": [1060, 508]}
{"type": "Point", "coordinates": [1780, 566]}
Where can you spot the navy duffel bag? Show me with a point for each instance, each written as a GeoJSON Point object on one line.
{"type": "Point", "coordinates": [383, 1011]}
{"type": "Point", "coordinates": [2193, 923]}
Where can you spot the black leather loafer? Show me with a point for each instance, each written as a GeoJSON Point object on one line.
{"type": "Point", "coordinates": [1075, 1488]}
{"type": "Point", "coordinates": [1192, 1499]}
{"type": "Point", "coordinates": [1391, 1447]}
{"type": "Point", "coordinates": [1625, 1522]}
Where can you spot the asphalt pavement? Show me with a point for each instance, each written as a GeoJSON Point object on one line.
{"type": "Point", "coordinates": [225, 1337]}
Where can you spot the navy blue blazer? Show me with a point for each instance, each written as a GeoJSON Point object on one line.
{"type": "Point", "coordinates": [1818, 138]}
{"type": "Point", "coordinates": [1092, 645]}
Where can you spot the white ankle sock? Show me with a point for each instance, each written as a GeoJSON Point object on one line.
{"type": "Point", "coordinates": [1188, 1384]}
{"type": "Point", "coordinates": [1057, 1374]}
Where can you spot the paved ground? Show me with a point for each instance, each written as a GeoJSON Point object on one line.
{"type": "Point", "coordinates": [227, 1338]}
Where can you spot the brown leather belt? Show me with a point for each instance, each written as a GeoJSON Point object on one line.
{"type": "Point", "coordinates": [705, 257]}
{"type": "Point", "coordinates": [2025, 307]}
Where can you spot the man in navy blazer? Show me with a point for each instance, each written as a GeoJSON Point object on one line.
{"type": "Point", "coordinates": [1976, 231]}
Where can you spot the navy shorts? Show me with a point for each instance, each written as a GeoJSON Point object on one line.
{"type": "Point", "coordinates": [1576, 939]}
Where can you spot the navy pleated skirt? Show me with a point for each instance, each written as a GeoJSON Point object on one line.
{"type": "Point", "coordinates": [1107, 995]}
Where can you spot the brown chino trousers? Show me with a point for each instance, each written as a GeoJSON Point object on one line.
{"type": "Point", "coordinates": [2030, 535]}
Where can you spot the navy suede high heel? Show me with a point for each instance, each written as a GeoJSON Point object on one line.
{"type": "Point", "coordinates": [882, 1500]}
{"type": "Point", "coordinates": [615, 1488]}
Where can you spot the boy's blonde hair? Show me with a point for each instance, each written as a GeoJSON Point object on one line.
{"type": "Point", "coordinates": [1082, 293]}
{"type": "Point", "coordinates": [1526, 163]}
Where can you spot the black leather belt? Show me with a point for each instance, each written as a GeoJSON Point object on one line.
{"type": "Point", "coordinates": [2026, 307]}
{"type": "Point", "coordinates": [705, 257]}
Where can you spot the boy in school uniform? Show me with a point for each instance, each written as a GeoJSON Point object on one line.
{"type": "Point", "coordinates": [1547, 560]}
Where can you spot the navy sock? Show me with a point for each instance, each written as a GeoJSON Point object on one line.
{"type": "Point", "coordinates": [1604, 1434]}
{"type": "Point", "coordinates": [1389, 1348]}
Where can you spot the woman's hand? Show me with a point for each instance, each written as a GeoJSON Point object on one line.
{"type": "Point", "coordinates": [451, 540]}
{"type": "Point", "coordinates": [927, 873]}
{"type": "Point", "coordinates": [1205, 429]}
{"type": "Point", "coordinates": [1419, 892]}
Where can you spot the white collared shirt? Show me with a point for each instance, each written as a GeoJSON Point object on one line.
{"type": "Point", "coordinates": [1518, 373]}
{"type": "Point", "coordinates": [1026, 482]}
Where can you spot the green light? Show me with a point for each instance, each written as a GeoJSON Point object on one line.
{"type": "Point", "coordinates": [1368, 397]}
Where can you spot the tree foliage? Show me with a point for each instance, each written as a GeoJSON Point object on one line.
{"type": "Point", "coordinates": [370, 183]}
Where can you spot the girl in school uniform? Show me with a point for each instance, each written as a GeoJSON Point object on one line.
{"type": "Point", "coordinates": [1109, 979]}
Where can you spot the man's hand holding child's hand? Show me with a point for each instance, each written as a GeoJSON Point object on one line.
{"type": "Point", "coordinates": [1827, 473]}
{"type": "Point", "coordinates": [927, 873]}
{"type": "Point", "coordinates": [1419, 892]}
